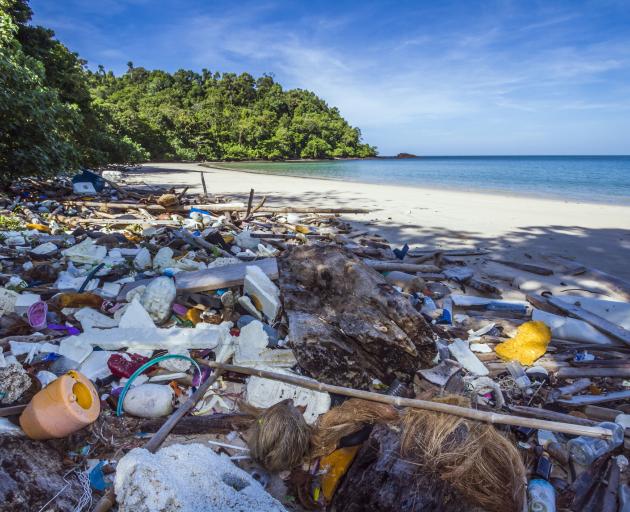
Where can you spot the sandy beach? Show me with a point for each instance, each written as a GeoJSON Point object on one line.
{"type": "Point", "coordinates": [596, 235]}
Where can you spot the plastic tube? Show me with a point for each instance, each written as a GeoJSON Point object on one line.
{"type": "Point", "coordinates": [144, 367]}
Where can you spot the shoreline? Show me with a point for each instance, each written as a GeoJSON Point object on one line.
{"type": "Point", "coordinates": [490, 192]}
{"type": "Point", "coordinates": [594, 234]}
{"type": "Point", "coordinates": [493, 192]}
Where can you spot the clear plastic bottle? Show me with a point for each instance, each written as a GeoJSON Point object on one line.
{"type": "Point", "coordinates": [584, 450]}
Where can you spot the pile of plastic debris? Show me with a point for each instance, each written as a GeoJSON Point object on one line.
{"type": "Point", "coordinates": [126, 303]}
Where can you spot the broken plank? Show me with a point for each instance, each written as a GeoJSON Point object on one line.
{"type": "Point", "coordinates": [596, 321]}
{"type": "Point", "coordinates": [386, 266]}
{"type": "Point", "coordinates": [222, 277]}
{"type": "Point", "coordinates": [574, 373]}
{"type": "Point", "coordinates": [579, 401]}
{"type": "Point", "coordinates": [527, 267]}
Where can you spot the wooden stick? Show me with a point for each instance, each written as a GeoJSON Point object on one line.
{"type": "Point", "coordinates": [109, 498]}
{"type": "Point", "coordinates": [527, 267]}
{"type": "Point", "coordinates": [249, 203]}
{"type": "Point", "coordinates": [545, 414]}
{"type": "Point", "coordinates": [578, 401]}
{"type": "Point", "coordinates": [464, 412]}
{"type": "Point", "coordinates": [385, 266]}
{"type": "Point", "coordinates": [200, 242]}
{"type": "Point", "coordinates": [203, 184]}
{"type": "Point", "coordinates": [573, 373]}
{"type": "Point", "coordinates": [601, 413]}
{"type": "Point", "coordinates": [596, 321]}
{"type": "Point", "coordinates": [11, 410]}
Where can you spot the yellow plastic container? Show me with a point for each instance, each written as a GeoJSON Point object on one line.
{"type": "Point", "coordinates": [66, 405]}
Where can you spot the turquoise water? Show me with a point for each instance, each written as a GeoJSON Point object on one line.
{"type": "Point", "coordinates": [602, 179]}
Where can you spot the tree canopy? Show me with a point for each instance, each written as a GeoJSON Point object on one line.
{"type": "Point", "coordinates": [58, 115]}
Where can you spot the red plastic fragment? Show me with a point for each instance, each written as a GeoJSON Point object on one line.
{"type": "Point", "coordinates": [124, 365]}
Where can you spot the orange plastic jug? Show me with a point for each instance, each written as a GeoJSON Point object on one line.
{"type": "Point", "coordinates": [66, 405]}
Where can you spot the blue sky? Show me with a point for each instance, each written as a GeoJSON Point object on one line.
{"type": "Point", "coordinates": [432, 78]}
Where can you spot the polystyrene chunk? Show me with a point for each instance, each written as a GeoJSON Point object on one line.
{"type": "Point", "coordinates": [86, 252]}
{"type": "Point", "coordinates": [265, 393]}
{"type": "Point", "coordinates": [262, 290]}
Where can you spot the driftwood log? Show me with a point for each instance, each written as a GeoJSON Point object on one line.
{"type": "Point", "coordinates": [379, 480]}
{"type": "Point", "coordinates": [347, 324]}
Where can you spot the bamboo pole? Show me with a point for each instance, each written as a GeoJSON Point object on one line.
{"type": "Point", "coordinates": [109, 498]}
{"type": "Point", "coordinates": [464, 412]}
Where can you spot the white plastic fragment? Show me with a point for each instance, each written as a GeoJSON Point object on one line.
{"type": "Point", "coordinates": [74, 349]}
{"type": "Point", "coordinates": [572, 329]}
{"type": "Point", "coordinates": [95, 365]}
{"type": "Point", "coordinates": [476, 335]}
{"type": "Point", "coordinates": [45, 377]}
{"type": "Point", "coordinates": [265, 393]}
{"type": "Point", "coordinates": [135, 316]}
{"type": "Point", "coordinates": [460, 350]}
{"type": "Point", "coordinates": [187, 478]}
{"type": "Point", "coordinates": [245, 241]}
{"type": "Point", "coordinates": [264, 293]}
{"type": "Point", "coordinates": [19, 348]}
{"type": "Point", "coordinates": [86, 252]}
{"type": "Point", "coordinates": [206, 336]}
{"type": "Point", "coordinates": [90, 319]}
{"type": "Point", "coordinates": [45, 249]}
{"type": "Point", "coordinates": [481, 348]}
{"type": "Point", "coordinates": [110, 290]}
{"type": "Point", "coordinates": [251, 348]}
{"type": "Point", "coordinates": [149, 401]}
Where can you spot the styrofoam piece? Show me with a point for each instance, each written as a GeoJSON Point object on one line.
{"type": "Point", "coordinates": [251, 348]}
{"type": "Point", "coordinates": [262, 290]}
{"type": "Point", "coordinates": [460, 350]}
{"type": "Point", "coordinates": [265, 393]}
{"type": "Point", "coordinates": [245, 241]}
{"type": "Point", "coordinates": [135, 316]}
{"type": "Point", "coordinates": [158, 298]}
{"type": "Point", "coordinates": [90, 319]}
{"type": "Point", "coordinates": [143, 260]}
{"type": "Point", "coordinates": [110, 290]}
{"type": "Point", "coordinates": [154, 338]}
{"type": "Point", "coordinates": [95, 365]}
{"type": "Point", "coordinates": [25, 301]}
{"type": "Point", "coordinates": [613, 311]}
{"type": "Point", "coordinates": [19, 348]}
{"type": "Point", "coordinates": [187, 478]}
{"type": "Point", "coordinates": [45, 249]}
{"type": "Point", "coordinates": [149, 401]}
{"type": "Point", "coordinates": [572, 329]}
{"type": "Point", "coordinates": [74, 349]}
{"type": "Point", "coordinates": [7, 301]}
{"type": "Point", "coordinates": [87, 252]}
{"type": "Point", "coordinates": [114, 176]}
{"type": "Point", "coordinates": [222, 261]}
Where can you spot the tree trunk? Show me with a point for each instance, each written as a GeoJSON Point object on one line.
{"type": "Point", "coordinates": [347, 325]}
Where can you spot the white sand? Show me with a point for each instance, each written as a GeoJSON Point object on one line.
{"type": "Point", "coordinates": [594, 234]}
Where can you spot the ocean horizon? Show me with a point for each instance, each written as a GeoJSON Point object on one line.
{"type": "Point", "coordinates": [582, 178]}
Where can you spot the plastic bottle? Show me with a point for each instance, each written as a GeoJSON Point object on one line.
{"type": "Point", "coordinates": [541, 496]}
{"type": "Point", "coordinates": [584, 450]}
{"type": "Point", "coordinates": [518, 374]}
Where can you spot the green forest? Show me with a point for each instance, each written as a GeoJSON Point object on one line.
{"type": "Point", "coordinates": [57, 115]}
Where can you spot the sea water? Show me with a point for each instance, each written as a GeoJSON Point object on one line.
{"type": "Point", "coordinates": [601, 179]}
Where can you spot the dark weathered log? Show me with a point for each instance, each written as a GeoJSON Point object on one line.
{"type": "Point", "coordinates": [379, 480]}
{"type": "Point", "coordinates": [347, 325]}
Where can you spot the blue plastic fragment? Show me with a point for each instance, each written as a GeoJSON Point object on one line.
{"type": "Point", "coordinates": [401, 253]}
{"type": "Point", "coordinates": [97, 477]}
